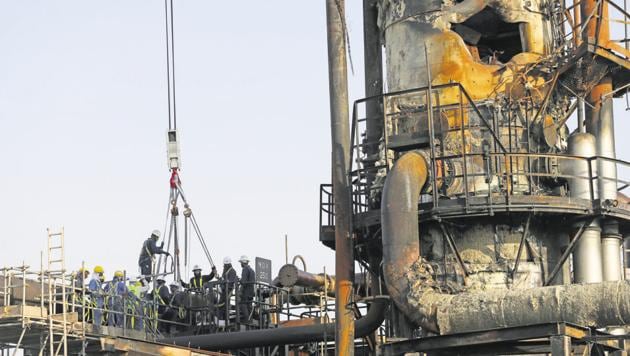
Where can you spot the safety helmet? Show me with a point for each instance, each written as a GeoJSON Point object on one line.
{"type": "Point", "coordinates": [174, 284]}
{"type": "Point", "coordinates": [156, 233]}
{"type": "Point", "coordinates": [227, 261]}
{"type": "Point", "coordinates": [244, 259]}
{"type": "Point", "coordinates": [160, 280]}
{"type": "Point", "coordinates": [196, 268]}
{"type": "Point", "coordinates": [119, 274]}
{"type": "Point", "coordinates": [99, 269]}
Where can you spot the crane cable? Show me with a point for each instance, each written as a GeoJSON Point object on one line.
{"type": "Point", "coordinates": [170, 64]}
{"type": "Point", "coordinates": [176, 189]}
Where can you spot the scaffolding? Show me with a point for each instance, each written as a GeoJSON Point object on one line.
{"type": "Point", "coordinates": [49, 312]}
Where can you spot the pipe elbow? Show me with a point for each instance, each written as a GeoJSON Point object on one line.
{"type": "Point", "coordinates": [400, 234]}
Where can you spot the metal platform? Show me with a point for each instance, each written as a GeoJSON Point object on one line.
{"type": "Point", "coordinates": [556, 339]}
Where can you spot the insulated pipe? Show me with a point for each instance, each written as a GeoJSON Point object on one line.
{"type": "Point", "coordinates": [400, 236]}
{"type": "Point", "coordinates": [597, 305]}
{"type": "Point", "coordinates": [611, 251]}
{"type": "Point", "coordinates": [284, 336]}
{"type": "Point", "coordinates": [340, 139]}
{"type": "Point", "coordinates": [600, 122]}
{"type": "Point", "coordinates": [606, 169]}
{"type": "Point", "coordinates": [626, 256]}
{"type": "Point", "coordinates": [587, 256]}
{"type": "Point", "coordinates": [607, 182]}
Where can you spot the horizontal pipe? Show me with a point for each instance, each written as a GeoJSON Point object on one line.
{"type": "Point", "coordinates": [596, 305]}
{"type": "Point", "coordinates": [290, 275]}
{"type": "Point", "coordinates": [284, 336]}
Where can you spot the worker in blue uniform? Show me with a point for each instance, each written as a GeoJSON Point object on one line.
{"type": "Point", "coordinates": [96, 295]}
{"type": "Point", "coordinates": [148, 252]}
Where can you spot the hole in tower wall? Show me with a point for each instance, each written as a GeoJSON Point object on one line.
{"type": "Point", "coordinates": [492, 38]}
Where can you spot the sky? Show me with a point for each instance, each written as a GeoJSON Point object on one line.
{"type": "Point", "coordinates": [83, 112]}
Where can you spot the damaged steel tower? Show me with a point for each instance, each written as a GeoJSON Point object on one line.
{"type": "Point", "coordinates": [486, 190]}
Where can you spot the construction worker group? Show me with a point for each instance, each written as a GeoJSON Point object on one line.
{"type": "Point", "coordinates": [134, 304]}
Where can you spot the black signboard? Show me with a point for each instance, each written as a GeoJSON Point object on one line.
{"type": "Point", "coordinates": [263, 270]}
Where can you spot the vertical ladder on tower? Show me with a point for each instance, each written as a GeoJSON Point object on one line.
{"type": "Point", "coordinates": [57, 295]}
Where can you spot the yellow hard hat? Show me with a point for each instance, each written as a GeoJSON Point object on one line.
{"type": "Point", "coordinates": [119, 274]}
{"type": "Point", "coordinates": [99, 269]}
{"type": "Point", "coordinates": [84, 269]}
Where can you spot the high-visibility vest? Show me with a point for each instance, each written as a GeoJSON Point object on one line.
{"type": "Point", "coordinates": [157, 294]}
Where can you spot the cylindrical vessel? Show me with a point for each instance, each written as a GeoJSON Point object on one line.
{"type": "Point", "coordinates": [587, 256]}
{"type": "Point", "coordinates": [580, 185]}
{"type": "Point", "coordinates": [607, 169]}
{"type": "Point", "coordinates": [611, 250]}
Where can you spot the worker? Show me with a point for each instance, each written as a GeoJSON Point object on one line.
{"type": "Point", "coordinates": [116, 290]}
{"type": "Point", "coordinates": [176, 311]}
{"type": "Point", "coordinates": [80, 277]}
{"type": "Point", "coordinates": [149, 250]}
{"type": "Point", "coordinates": [227, 283]}
{"type": "Point", "coordinates": [96, 294]}
{"type": "Point", "coordinates": [77, 297]}
{"type": "Point", "coordinates": [161, 296]}
{"type": "Point", "coordinates": [198, 280]}
{"type": "Point", "coordinates": [246, 291]}
{"type": "Point", "coordinates": [134, 304]}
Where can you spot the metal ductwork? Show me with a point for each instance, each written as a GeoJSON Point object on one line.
{"type": "Point", "coordinates": [411, 284]}
{"type": "Point", "coordinates": [284, 336]}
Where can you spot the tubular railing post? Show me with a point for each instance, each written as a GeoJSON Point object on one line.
{"type": "Point", "coordinates": [23, 293]}
{"type": "Point", "coordinates": [124, 302]}
{"type": "Point", "coordinates": [464, 158]}
{"type": "Point", "coordinates": [41, 278]}
{"type": "Point", "coordinates": [591, 178]}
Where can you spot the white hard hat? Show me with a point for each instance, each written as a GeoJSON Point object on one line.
{"type": "Point", "coordinates": [244, 258]}
{"type": "Point", "coordinates": [174, 284]}
{"type": "Point", "coordinates": [227, 261]}
{"type": "Point", "coordinates": [156, 233]}
{"type": "Point", "coordinates": [196, 268]}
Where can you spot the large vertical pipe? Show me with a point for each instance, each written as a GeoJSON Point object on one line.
{"type": "Point", "coordinates": [587, 256]}
{"type": "Point", "coordinates": [599, 122]}
{"type": "Point", "coordinates": [373, 73]}
{"type": "Point", "coordinates": [373, 59]}
{"type": "Point", "coordinates": [340, 134]}
{"type": "Point", "coordinates": [611, 251]}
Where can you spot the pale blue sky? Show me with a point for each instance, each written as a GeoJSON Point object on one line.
{"type": "Point", "coordinates": [83, 112]}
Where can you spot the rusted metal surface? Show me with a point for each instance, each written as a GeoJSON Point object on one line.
{"type": "Point", "coordinates": [399, 216]}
